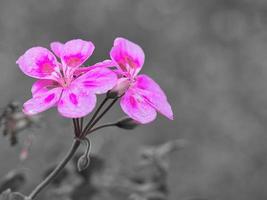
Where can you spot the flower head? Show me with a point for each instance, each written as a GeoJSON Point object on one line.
{"type": "Point", "coordinates": [142, 96]}
{"type": "Point", "coordinates": [65, 84]}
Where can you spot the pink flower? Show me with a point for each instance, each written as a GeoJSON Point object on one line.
{"type": "Point", "coordinates": [62, 84]}
{"type": "Point", "coordinates": [142, 96]}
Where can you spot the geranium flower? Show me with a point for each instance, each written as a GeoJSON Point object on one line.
{"type": "Point", "coordinates": [61, 84]}
{"type": "Point", "coordinates": [142, 96]}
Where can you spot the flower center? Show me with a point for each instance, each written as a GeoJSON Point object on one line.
{"type": "Point", "coordinates": [64, 75]}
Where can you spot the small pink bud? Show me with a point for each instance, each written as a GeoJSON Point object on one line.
{"type": "Point", "coordinates": [119, 89]}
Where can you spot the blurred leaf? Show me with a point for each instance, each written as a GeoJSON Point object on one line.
{"type": "Point", "coordinates": [13, 180]}
{"type": "Point", "coordinates": [8, 195]}
{"type": "Point", "coordinates": [14, 121]}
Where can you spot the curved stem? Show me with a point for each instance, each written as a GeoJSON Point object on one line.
{"type": "Point", "coordinates": [55, 172]}
{"type": "Point", "coordinates": [88, 146]}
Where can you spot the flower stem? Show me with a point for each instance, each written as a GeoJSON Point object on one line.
{"type": "Point", "coordinates": [94, 116]}
{"type": "Point", "coordinates": [56, 171]}
{"type": "Point", "coordinates": [88, 146]}
{"type": "Point", "coordinates": [81, 124]}
{"type": "Point", "coordinates": [102, 126]}
{"type": "Point", "coordinates": [100, 116]}
{"type": "Point", "coordinates": [76, 126]}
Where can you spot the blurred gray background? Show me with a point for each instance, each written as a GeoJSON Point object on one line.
{"type": "Point", "coordinates": [210, 56]}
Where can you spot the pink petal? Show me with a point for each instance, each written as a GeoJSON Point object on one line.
{"type": "Point", "coordinates": [37, 62]}
{"type": "Point", "coordinates": [128, 55]}
{"type": "Point", "coordinates": [42, 86]}
{"type": "Point", "coordinates": [42, 102]}
{"type": "Point", "coordinates": [74, 103]}
{"type": "Point", "coordinates": [137, 108]}
{"type": "Point", "coordinates": [97, 81]}
{"type": "Point", "coordinates": [105, 63]}
{"type": "Point", "coordinates": [57, 48]}
{"type": "Point", "coordinates": [76, 52]}
{"type": "Point", "coordinates": [146, 83]}
{"type": "Point", "coordinates": [154, 95]}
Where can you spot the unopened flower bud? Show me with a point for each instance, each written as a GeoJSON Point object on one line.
{"type": "Point", "coordinates": [119, 89]}
{"type": "Point", "coordinates": [127, 123]}
{"type": "Point", "coordinates": [83, 162]}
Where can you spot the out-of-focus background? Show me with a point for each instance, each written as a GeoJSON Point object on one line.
{"type": "Point", "coordinates": [210, 56]}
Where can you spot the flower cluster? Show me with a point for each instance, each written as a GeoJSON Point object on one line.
{"type": "Point", "coordinates": [66, 83]}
